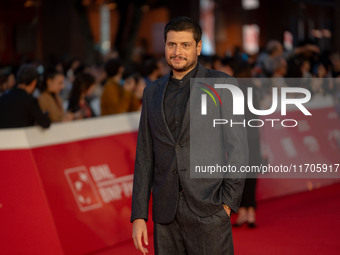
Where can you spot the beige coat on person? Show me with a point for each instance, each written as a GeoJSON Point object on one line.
{"type": "Point", "coordinates": [52, 105]}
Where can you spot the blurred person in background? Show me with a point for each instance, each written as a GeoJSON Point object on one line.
{"type": "Point", "coordinates": [70, 69]}
{"type": "Point", "coordinates": [273, 49]}
{"type": "Point", "coordinates": [206, 61]}
{"type": "Point", "coordinates": [135, 84]}
{"type": "Point", "coordinates": [82, 88]}
{"type": "Point", "coordinates": [279, 65]}
{"type": "Point", "coordinates": [18, 108]}
{"type": "Point", "coordinates": [115, 98]}
{"type": "Point", "coordinates": [305, 68]}
{"type": "Point", "coordinates": [225, 65]}
{"type": "Point", "coordinates": [295, 67]}
{"type": "Point", "coordinates": [141, 84]}
{"type": "Point", "coordinates": [335, 60]}
{"type": "Point", "coordinates": [279, 71]}
{"type": "Point", "coordinates": [7, 80]}
{"type": "Point", "coordinates": [50, 100]}
{"type": "Point", "coordinates": [216, 62]}
{"type": "Point", "coordinates": [163, 65]}
{"type": "Point", "coordinates": [321, 86]}
{"type": "Point", "coordinates": [151, 70]}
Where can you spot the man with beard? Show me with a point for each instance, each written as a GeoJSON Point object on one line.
{"type": "Point", "coordinates": [191, 216]}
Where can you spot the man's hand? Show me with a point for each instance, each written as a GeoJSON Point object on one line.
{"type": "Point", "coordinates": [227, 209]}
{"type": "Point", "coordinates": [138, 231]}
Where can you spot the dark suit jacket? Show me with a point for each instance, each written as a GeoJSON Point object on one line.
{"type": "Point", "coordinates": [19, 109]}
{"type": "Point", "coordinates": [160, 161]}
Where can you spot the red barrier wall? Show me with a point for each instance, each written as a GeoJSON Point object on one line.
{"type": "Point", "coordinates": [26, 222]}
{"type": "Point", "coordinates": [89, 186]}
{"type": "Point", "coordinates": [67, 190]}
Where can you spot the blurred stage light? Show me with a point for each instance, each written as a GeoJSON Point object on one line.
{"type": "Point", "coordinates": [250, 4]}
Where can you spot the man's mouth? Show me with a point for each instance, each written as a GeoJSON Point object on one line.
{"type": "Point", "coordinates": [178, 58]}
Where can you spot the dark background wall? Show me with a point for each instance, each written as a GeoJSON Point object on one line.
{"type": "Point", "coordinates": [50, 29]}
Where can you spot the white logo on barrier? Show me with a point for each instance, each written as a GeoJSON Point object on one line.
{"type": "Point", "coordinates": [83, 188]}
{"type": "Point", "coordinates": [102, 187]}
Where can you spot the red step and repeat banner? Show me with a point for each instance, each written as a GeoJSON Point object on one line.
{"type": "Point", "coordinates": [67, 190]}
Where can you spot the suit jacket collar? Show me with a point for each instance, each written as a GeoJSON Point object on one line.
{"type": "Point", "coordinates": [163, 83]}
{"type": "Point", "coordinates": [202, 72]}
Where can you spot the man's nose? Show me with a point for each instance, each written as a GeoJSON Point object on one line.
{"type": "Point", "coordinates": [178, 50]}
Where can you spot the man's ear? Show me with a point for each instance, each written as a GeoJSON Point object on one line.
{"type": "Point", "coordinates": [31, 86]}
{"type": "Point", "coordinates": [34, 83]}
{"type": "Point", "coordinates": [199, 48]}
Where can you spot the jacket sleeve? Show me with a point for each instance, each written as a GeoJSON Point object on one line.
{"type": "Point", "coordinates": [236, 146]}
{"type": "Point", "coordinates": [144, 167]}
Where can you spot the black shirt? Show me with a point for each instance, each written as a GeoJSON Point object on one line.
{"type": "Point", "coordinates": [175, 101]}
{"type": "Point", "coordinates": [19, 109]}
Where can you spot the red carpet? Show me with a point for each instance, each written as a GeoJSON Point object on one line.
{"type": "Point", "coordinates": [304, 223]}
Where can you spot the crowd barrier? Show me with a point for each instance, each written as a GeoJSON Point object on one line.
{"type": "Point", "coordinates": [67, 190]}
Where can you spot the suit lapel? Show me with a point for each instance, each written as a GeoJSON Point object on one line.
{"type": "Point", "coordinates": [163, 84]}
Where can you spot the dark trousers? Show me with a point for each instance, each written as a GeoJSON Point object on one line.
{"type": "Point", "coordinates": [248, 195]}
{"type": "Point", "coordinates": [191, 234]}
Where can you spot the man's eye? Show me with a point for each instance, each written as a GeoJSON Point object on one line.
{"type": "Point", "coordinates": [186, 45]}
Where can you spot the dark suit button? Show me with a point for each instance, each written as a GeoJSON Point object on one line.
{"type": "Point", "coordinates": [177, 146]}
{"type": "Point", "coordinates": [174, 172]}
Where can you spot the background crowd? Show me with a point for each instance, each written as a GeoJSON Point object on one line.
{"type": "Point", "coordinates": [71, 90]}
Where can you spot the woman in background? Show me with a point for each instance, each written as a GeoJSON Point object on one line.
{"type": "Point", "coordinates": [135, 84]}
{"type": "Point", "coordinates": [50, 100]}
{"type": "Point", "coordinates": [79, 104]}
